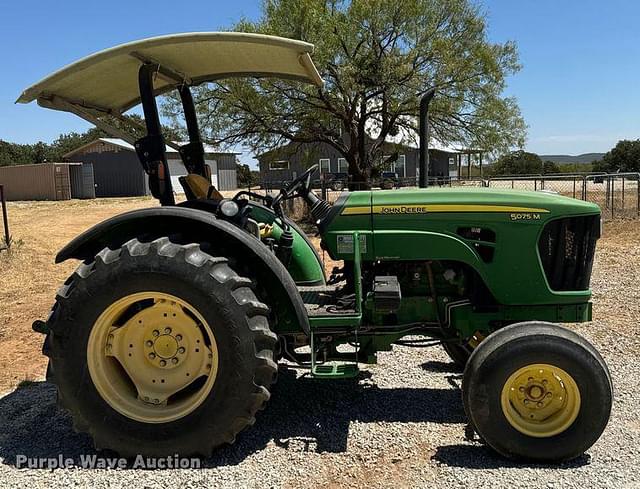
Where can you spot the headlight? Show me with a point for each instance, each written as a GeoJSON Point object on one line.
{"type": "Point", "coordinates": [229, 208]}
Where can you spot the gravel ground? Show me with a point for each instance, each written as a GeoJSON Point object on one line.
{"type": "Point", "coordinates": [401, 424]}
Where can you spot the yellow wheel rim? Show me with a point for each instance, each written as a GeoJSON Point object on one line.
{"type": "Point", "coordinates": [152, 357]}
{"type": "Point", "coordinates": [540, 400]}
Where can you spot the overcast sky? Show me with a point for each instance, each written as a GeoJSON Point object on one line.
{"type": "Point", "coordinates": [578, 89]}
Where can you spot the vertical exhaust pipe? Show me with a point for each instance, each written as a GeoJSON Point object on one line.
{"type": "Point", "coordinates": [424, 137]}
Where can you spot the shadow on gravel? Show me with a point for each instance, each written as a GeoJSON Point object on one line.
{"type": "Point", "coordinates": [482, 457]}
{"type": "Point", "coordinates": [440, 367]}
{"type": "Point", "coordinates": [303, 414]}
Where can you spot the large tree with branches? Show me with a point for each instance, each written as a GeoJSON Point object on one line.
{"type": "Point", "coordinates": [377, 58]}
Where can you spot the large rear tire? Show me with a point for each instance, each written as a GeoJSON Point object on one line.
{"type": "Point", "coordinates": [537, 391]}
{"type": "Point", "coordinates": [160, 349]}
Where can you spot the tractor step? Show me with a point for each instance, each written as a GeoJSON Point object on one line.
{"type": "Point", "coordinates": [335, 371]}
{"type": "Point", "coordinates": [326, 300]}
{"type": "Point", "coordinates": [332, 369]}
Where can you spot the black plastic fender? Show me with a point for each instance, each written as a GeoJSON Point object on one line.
{"type": "Point", "coordinates": [200, 226]}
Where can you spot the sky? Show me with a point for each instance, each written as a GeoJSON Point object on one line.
{"type": "Point", "coordinates": [578, 88]}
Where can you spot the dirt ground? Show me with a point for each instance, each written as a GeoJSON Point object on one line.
{"type": "Point", "coordinates": [29, 278]}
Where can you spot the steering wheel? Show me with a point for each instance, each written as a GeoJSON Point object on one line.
{"type": "Point", "coordinates": [303, 181]}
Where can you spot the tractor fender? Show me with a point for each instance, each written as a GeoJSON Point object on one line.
{"type": "Point", "coordinates": [198, 226]}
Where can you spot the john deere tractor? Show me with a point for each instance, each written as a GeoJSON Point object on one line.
{"type": "Point", "coordinates": [165, 339]}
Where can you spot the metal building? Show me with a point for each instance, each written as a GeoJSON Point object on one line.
{"type": "Point", "coordinates": [47, 181]}
{"type": "Point", "coordinates": [118, 173]}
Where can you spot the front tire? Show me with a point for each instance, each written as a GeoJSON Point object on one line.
{"type": "Point", "coordinates": [159, 349]}
{"type": "Point", "coordinates": [538, 392]}
{"type": "Point", "coordinates": [458, 353]}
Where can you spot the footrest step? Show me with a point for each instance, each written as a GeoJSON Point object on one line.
{"type": "Point", "coordinates": [335, 371]}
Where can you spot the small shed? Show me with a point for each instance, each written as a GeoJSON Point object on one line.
{"type": "Point", "coordinates": [47, 181]}
{"type": "Point", "coordinates": [118, 173]}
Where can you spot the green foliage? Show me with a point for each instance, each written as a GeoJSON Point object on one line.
{"type": "Point", "coordinates": [624, 157]}
{"type": "Point", "coordinates": [377, 57]}
{"type": "Point", "coordinates": [23, 154]}
{"type": "Point", "coordinates": [575, 167]}
{"type": "Point", "coordinates": [517, 163]}
{"type": "Point", "coordinates": [550, 167]}
{"type": "Point", "coordinates": [246, 176]}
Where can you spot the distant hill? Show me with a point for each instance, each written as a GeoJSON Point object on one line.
{"type": "Point", "coordinates": [583, 158]}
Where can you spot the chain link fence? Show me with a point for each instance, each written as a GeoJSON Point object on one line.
{"type": "Point", "coordinates": [617, 194]}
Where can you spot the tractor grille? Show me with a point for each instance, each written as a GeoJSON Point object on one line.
{"type": "Point", "coordinates": [566, 249]}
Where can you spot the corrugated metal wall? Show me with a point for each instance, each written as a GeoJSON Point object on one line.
{"type": "Point", "coordinates": [227, 171]}
{"type": "Point", "coordinates": [116, 174]}
{"type": "Point", "coordinates": [45, 181]}
{"type": "Point", "coordinates": [223, 171]}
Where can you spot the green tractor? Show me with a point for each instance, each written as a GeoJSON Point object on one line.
{"type": "Point", "coordinates": [165, 339]}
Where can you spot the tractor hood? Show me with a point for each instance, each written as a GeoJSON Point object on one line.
{"type": "Point", "coordinates": [513, 204]}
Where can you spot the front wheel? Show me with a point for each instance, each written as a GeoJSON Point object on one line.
{"type": "Point", "coordinates": [159, 349]}
{"type": "Point", "coordinates": [537, 391]}
{"type": "Point", "coordinates": [458, 353]}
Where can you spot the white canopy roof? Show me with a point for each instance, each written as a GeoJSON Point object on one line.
{"type": "Point", "coordinates": [108, 80]}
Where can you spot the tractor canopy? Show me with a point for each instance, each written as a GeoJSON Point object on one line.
{"type": "Point", "coordinates": [101, 87]}
{"type": "Point", "coordinates": [108, 80]}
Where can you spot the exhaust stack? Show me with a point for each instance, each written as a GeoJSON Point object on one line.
{"type": "Point", "coordinates": [424, 137]}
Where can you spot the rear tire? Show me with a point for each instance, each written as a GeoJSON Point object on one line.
{"type": "Point", "coordinates": [242, 347]}
{"type": "Point", "coordinates": [537, 391]}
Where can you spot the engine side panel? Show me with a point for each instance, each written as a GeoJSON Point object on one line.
{"type": "Point", "coordinates": [494, 232]}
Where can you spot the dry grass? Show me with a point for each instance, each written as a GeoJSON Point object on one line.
{"type": "Point", "coordinates": [29, 278]}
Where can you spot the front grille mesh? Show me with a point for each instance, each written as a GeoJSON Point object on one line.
{"type": "Point", "coordinates": [566, 248]}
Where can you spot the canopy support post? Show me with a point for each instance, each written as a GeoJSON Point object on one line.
{"type": "Point", "coordinates": [192, 154]}
{"type": "Point", "coordinates": [151, 148]}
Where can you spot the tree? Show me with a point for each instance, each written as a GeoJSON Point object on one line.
{"type": "Point", "coordinates": [22, 154]}
{"type": "Point", "coordinates": [247, 177]}
{"type": "Point", "coordinates": [517, 163]}
{"type": "Point", "coordinates": [550, 167]}
{"type": "Point", "coordinates": [624, 157]}
{"type": "Point", "coordinates": [377, 57]}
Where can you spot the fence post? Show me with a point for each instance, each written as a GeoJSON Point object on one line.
{"type": "Point", "coordinates": [638, 194]}
{"type": "Point", "coordinates": [5, 219]}
{"type": "Point", "coordinates": [613, 193]}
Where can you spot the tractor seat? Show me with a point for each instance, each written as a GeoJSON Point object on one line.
{"type": "Point", "coordinates": [197, 187]}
